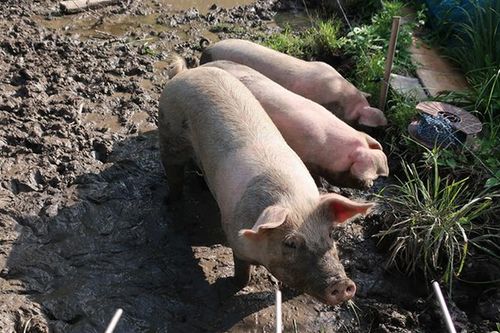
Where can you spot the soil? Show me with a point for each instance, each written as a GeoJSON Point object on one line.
{"type": "Point", "coordinates": [85, 227]}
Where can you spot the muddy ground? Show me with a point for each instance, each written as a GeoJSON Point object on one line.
{"type": "Point", "coordinates": [84, 225]}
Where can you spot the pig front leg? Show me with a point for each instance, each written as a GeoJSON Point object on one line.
{"type": "Point", "coordinates": [175, 178]}
{"type": "Point", "coordinates": [242, 272]}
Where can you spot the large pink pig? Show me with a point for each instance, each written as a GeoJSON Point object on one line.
{"type": "Point", "coordinates": [271, 210]}
{"type": "Point", "coordinates": [316, 81]}
{"type": "Point", "coordinates": [329, 147]}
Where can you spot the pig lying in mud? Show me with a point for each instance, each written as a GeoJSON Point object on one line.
{"type": "Point", "coordinates": [316, 81]}
{"type": "Point", "coordinates": [271, 210]}
{"type": "Point", "coordinates": [329, 147]}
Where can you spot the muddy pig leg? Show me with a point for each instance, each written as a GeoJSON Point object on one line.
{"type": "Point", "coordinates": [242, 272]}
{"type": "Point", "coordinates": [175, 152]}
{"type": "Point", "coordinates": [175, 179]}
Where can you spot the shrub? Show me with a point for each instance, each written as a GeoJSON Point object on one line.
{"type": "Point", "coordinates": [436, 221]}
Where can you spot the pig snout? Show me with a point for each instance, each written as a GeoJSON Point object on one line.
{"type": "Point", "coordinates": [339, 291]}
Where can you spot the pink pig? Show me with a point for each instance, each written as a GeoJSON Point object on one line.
{"type": "Point", "coordinates": [329, 147]}
{"type": "Point", "coordinates": [271, 210]}
{"type": "Point", "coordinates": [316, 80]}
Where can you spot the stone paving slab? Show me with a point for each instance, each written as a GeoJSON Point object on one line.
{"type": "Point", "coordinates": [409, 86]}
{"type": "Point", "coordinates": [436, 73]}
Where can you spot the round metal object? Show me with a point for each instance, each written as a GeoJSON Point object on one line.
{"type": "Point", "coordinates": [460, 119]}
{"type": "Point", "coordinates": [464, 125]}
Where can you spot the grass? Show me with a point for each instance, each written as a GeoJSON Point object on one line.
{"type": "Point", "coordinates": [436, 221]}
{"type": "Point", "coordinates": [321, 39]}
{"type": "Point", "coordinates": [474, 44]}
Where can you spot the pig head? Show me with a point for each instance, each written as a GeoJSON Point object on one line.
{"type": "Point", "coordinates": [298, 248]}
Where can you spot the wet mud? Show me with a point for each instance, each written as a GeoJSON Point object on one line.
{"type": "Point", "coordinates": [84, 224]}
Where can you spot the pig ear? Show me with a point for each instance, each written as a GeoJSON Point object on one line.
{"type": "Point", "coordinates": [372, 143]}
{"type": "Point", "coordinates": [343, 209]}
{"type": "Point", "coordinates": [365, 94]}
{"type": "Point", "coordinates": [272, 217]}
{"type": "Point", "coordinates": [372, 117]}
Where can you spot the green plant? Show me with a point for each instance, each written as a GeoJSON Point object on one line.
{"type": "Point", "coordinates": [436, 221]}
{"type": "Point", "coordinates": [474, 44]}
{"type": "Point", "coordinates": [368, 44]}
{"type": "Point", "coordinates": [401, 110]}
{"type": "Point", "coordinates": [321, 39]}
{"type": "Point", "coordinates": [286, 42]}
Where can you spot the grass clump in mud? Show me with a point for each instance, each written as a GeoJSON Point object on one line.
{"type": "Point", "coordinates": [322, 39]}
{"type": "Point", "coordinates": [436, 221]}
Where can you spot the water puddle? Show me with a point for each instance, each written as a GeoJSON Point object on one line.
{"type": "Point", "coordinates": [107, 121]}
{"type": "Point", "coordinates": [140, 119]}
{"type": "Point", "coordinates": [293, 20]}
{"type": "Point", "coordinates": [203, 5]}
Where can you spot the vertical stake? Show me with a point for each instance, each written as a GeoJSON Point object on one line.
{"type": "Point", "coordinates": [389, 61]}
{"type": "Point", "coordinates": [444, 308]}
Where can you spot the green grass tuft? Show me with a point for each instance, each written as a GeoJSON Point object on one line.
{"type": "Point", "coordinates": [436, 222]}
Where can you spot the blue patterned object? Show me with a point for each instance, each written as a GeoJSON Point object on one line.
{"type": "Point", "coordinates": [453, 11]}
{"type": "Point", "coordinates": [437, 130]}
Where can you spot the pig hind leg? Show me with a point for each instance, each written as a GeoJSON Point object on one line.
{"type": "Point", "coordinates": [175, 153]}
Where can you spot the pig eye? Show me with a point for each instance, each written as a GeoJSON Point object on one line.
{"type": "Point", "coordinates": [293, 241]}
{"type": "Point", "coordinates": [290, 243]}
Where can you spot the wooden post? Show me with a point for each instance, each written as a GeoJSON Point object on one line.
{"type": "Point", "coordinates": [388, 62]}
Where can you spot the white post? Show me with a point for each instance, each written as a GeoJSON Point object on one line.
{"type": "Point", "coordinates": [444, 308]}
{"type": "Point", "coordinates": [114, 321]}
{"type": "Point", "coordinates": [279, 323]}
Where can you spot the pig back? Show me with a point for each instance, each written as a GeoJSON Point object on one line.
{"type": "Point", "coordinates": [279, 67]}
{"type": "Point", "coordinates": [231, 135]}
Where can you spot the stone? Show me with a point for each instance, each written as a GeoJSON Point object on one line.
{"type": "Point", "coordinates": [408, 86]}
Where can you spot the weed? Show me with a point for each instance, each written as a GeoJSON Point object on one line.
{"type": "Point", "coordinates": [401, 110]}
{"type": "Point", "coordinates": [286, 42]}
{"type": "Point", "coordinates": [436, 221]}
{"type": "Point", "coordinates": [368, 44]}
{"type": "Point", "coordinates": [321, 39]}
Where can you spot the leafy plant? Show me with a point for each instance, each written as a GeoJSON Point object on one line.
{"type": "Point", "coordinates": [323, 39]}
{"type": "Point", "coordinates": [401, 110]}
{"type": "Point", "coordinates": [436, 222]}
{"type": "Point", "coordinates": [368, 44]}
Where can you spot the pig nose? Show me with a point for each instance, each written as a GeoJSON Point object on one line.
{"type": "Point", "coordinates": [340, 291]}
